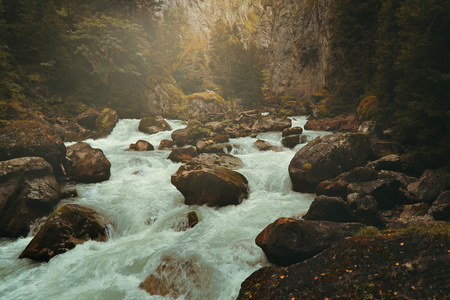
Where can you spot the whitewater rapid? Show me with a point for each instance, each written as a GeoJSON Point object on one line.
{"type": "Point", "coordinates": [143, 206]}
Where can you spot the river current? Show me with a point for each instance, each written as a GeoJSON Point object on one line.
{"type": "Point", "coordinates": [143, 207]}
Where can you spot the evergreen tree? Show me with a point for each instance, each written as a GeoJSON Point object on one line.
{"type": "Point", "coordinates": [352, 27]}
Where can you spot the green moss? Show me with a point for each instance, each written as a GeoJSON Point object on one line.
{"type": "Point", "coordinates": [206, 96]}
{"type": "Point", "coordinates": [368, 231]}
{"type": "Point", "coordinates": [197, 131]}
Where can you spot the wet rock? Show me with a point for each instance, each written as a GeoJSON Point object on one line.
{"type": "Point", "coordinates": [293, 140]}
{"type": "Point", "coordinates": [177, 276]}
{"type": "Point", "coordinates": [67, 227]}
{"type": "Point", "coordinates": [440, 210]}
{"type": "Point", "coordinates": [221, 138]}
{"type": "Point", "coordinates": [72, 193]}
{"type": "Point", "coordinates": [185, 222]}
{"type": "Point", "coordinates": [341, 123]}
{"type": "Point", "coordinates": [152, 125]}
{"type": "Point", "coordinates": [142, 145]}
{"type": "Point", "coordinates": [271, 123]}
{"type": "Point", "coordinates": [428, 187]}
{"type": "Point", "coordinates": [87, 119]}
{"type": "Point", "coordinates": [325, 158]}
{"type": "Point", "coordinates": [28, 190]}
{"type": "Point", "coordinates": [297, 130]}
{"type": "Point", "coordinates": [213, 186]}
{"type": "Point", "coordinates": [32, 138]}
{"type": "Point", "coordinates": [86, 164]}
{"type": "Point", "coordinates": [332, 209]}
{"type": "Point", "coordinates": [338, 186]}
{"type": "Point", "coordinates": [288, 241]}
{"type": "Point", "coordinates": [390, 163]}
{"type": "Point", "coordinates": [166, 145]}
{"type": "Point", "coordinates": [217, 159]}
{"type": "Point", "coordinates": [266, 146]}
{"type": "Point", "coordinates": [217, 148]}
{"type": "Point", "coordinates": [106, 122]}
{"type": "Point", "coordinates": [189, 135]}
{"type": "Point", "coordinates": [385, 191]}
{"type": "Point", "coordinates": [183, 154]}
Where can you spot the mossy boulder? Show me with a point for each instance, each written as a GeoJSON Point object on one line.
{"type": "Point", "coordinates": [88, 119]}
{"type": "Point", "coordinates": [271, 123]}
{"type": "Point", "coordinates": [28, 190]}
{"type": "Point", "coordinates": [213, 186]}
{"type": "Point", "coordinates": [105, 122]}
{"type": "Point", "coordinates": [32, 138]}
{"type": "Point", "coordinates": [152, 125]}
{"type": "Point", "coordinates": [326, 157]}
{"type": "Point", "coordinates": [67, 227]}
{"type": "Point", "coordinates": [202, 105]}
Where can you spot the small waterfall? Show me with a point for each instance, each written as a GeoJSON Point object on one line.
{"type": "Point", "coordinates": [143, 207]}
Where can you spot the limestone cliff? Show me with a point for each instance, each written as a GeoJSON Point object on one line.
{"type": "Point", "coordinates": [292, 35]}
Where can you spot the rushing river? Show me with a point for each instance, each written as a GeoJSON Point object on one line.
{"type": "Point", "coordinates": [143, 206]}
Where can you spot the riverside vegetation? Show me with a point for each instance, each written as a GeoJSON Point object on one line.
{"type": "Point", "coordinates": [378, 75]}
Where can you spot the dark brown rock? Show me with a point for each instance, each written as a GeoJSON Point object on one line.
{"type": "Point", "coordinates": [271, 123]}
{"type": "Point", "coordinates": [297, 130]}
{"type": "Point", "coordinates": [185, 222]}
{"type": "Point", "coordinates": [106, 122]}
{"type": "Point", "coordinates": [213, 186]}
{"type": "Point", "coordinates": [265, 146]}
{"type": "Point", "coordinates": [88, 118]}
{"type": "Point", "coordinates": [332, 209]}
{"type": "Point", "coordinates": [325, 158]}
{"type": "Point", "coordinates": [428, 187]}
{"type": "Point", "coordinates": [217, 148]}
{"type": "Point", "coordinates": [152, 125]}
{"type": "Point", "coordinates": [338, 186]}
{"type": "Point", "coordinates": [217, 159]}
{"type": "Point", "coordinates": [166, 145]}
{"type": "Point", "coordinates": [28, 190]}
{"type": "Point", "coordinates": [440, 210]}
{"type": "Point", "coordinates": [390, 163]}
{"type": "Point", "coordinates": [189, 135]}
{"type": "Point", "coordinates": [221, 138]}
{"type": "Point", "coordinates": [142, 145]}
{"type": "Point", "coordinates": [183, 154]}
{"type": "Point", "coordinates": [341, 123]}
{"type": "Point", "coordinates": [67, 227]}
{"type": "Point", "coordinates": [367, 212]}
{"type": "Point", "coordinates": [291, 141]}
{"type": "Point", "coordinates": [415, 212]}
{"type": "Point", "coordinates": [32, 138]}
{"type": "Point", "coordinates": [288, 241]}
{"type": "Point", "coordinates": [177, 276]}
{"type": "Point", "coordinates": [385, 191]}
{"type": "Point", "coordinates": [86, 164]}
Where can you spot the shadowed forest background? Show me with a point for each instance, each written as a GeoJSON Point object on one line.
{"type": "Point", "coordinates": [62, 57]}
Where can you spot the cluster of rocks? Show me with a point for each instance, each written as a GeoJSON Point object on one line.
{"type": "Point", "coordinates": [352, 194]}
{"type": "Point", "coordinates": [32, 157]}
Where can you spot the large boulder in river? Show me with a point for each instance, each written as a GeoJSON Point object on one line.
{"type": "Point", "coordinates": [86, 164]}
{"type": "Point", "coordinates": [217, 159]}
{"type": "Point", "coordinates": [200, 105]}
{"type": "Point", "coordinates": [28, 190]}
{"type": "Point", "coordinates": [326, 157]}
{"type": "Point", "coordinates": [288, 241]}
{"type": "Point", "coordinates": [152, 125]}
{"type": "Point", "coordinates": [271, 123]}
{"type": "Point", "coordinates": [190, 134]}
{"type": "Point", "coordinates": [32, 138]}
{"type": "Point", "coordinates": [141, 145]}
{"type": "Point", "coordinates": [106, 121]}
{"type": "Point", "coordinates": [67, 227]}
{"type": "Point", "coordinates": [213, 186]}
